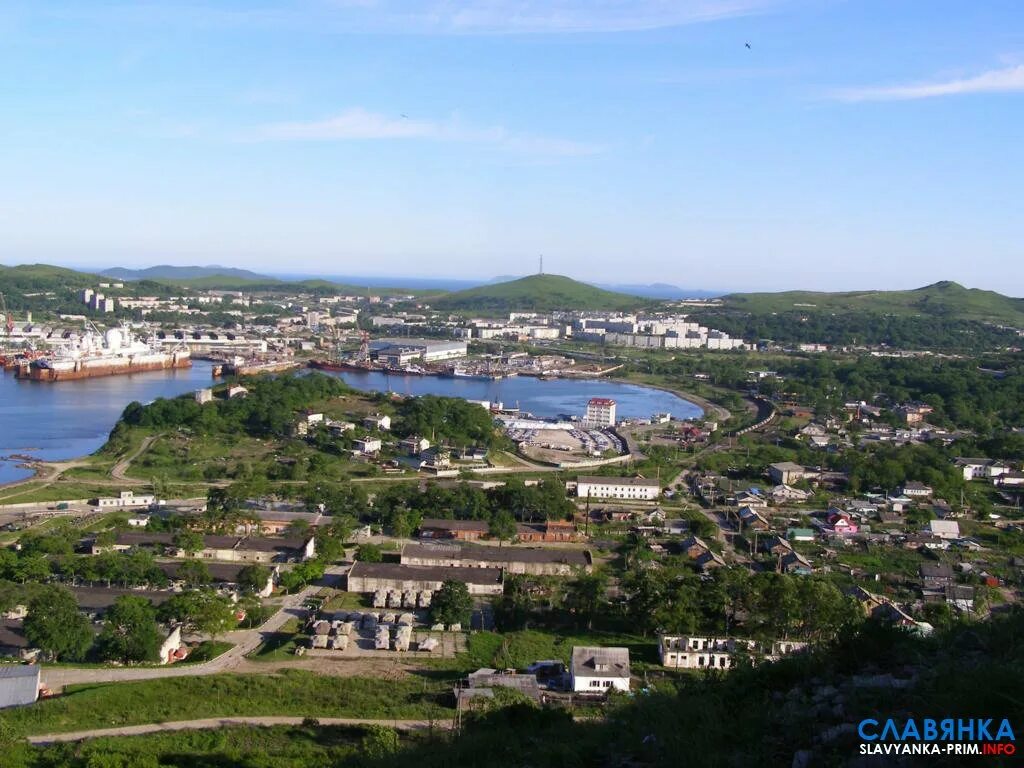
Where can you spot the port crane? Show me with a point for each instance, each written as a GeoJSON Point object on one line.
{"type": "Point", "coordinates": [7, 316]}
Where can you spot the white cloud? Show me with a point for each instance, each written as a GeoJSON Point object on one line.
{"type": "Point", "coordinates": [361, 125]}
{"type": "Point", "coordinates": [994, 81]}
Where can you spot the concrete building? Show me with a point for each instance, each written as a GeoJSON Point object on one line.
{"type": "Point", "coordinates": [371, 577]}
{"type": "Point", "coordinates": [367, 445]}
{"type": "Point", "coordinates": [204, 395]}
{"type": "Point", "coordinates": [598, 670]}
{"type": "Point", "coordinates": [125, 500]}
{"type": "Point", "coordinates": [427, 350]}
{"type": "Point", "coordinates": [379, 421]}
{"type": "Point", "coordinates": [534, 561]}
{"type": "Point", "coordinates": [632, 488]}
{"type": "Point", "coordinates": [600, 413]}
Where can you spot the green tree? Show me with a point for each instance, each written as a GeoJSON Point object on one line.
{"type": "Point", "coordinates": [253, 577]}
{"type": "Point", "coordinates": [502, 527]}
{"type": "Point", "coordinates": [54, 625]}
{"type": "Point", "coordinates": [452, 603]}
{"type": "Point", "coordinates": [585, 596]}
{"type": "Point", "coordinates": [194, 573]}
{"type": "Point", "coordinates": [369, 553]}
{"type": "Point", "coordinates": [188, 541]}
{"type": "Point", "coordinates": [130, 632]}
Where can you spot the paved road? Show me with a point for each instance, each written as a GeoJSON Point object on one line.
{"type": "Point", "coordinates": [227, 722]}
{"type": "Point", "coordinates": [245, 641]}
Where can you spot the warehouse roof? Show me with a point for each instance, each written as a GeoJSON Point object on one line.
{"type": "Point", "coordinates": [481, 553]}
{"type": "Point", "coordinates": [399, 572]}
{"type": "Point", "coordinates": [598, 480]}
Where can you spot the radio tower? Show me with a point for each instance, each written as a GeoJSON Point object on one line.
{"type": "Point", "coordinates": [541, 270]}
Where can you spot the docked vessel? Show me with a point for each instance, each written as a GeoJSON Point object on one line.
{"type": "Point", "coordinates": [110, 354]}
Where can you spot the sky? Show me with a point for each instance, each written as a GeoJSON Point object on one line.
{"type": "Point", "coordinates": [856, 144]}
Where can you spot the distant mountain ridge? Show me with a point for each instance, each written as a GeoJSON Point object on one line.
{"type": "Point", "coordinates": [944, 298]}
{"type": "Point", "coordinates": [172, 272]}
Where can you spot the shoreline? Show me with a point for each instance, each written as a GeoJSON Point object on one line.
{"type": "Point", "coordinates": [709, 408]}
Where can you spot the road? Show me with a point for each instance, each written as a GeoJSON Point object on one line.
{"type": "Point", "coordinates": [227, 722]}
{"type": "Point", "coordinates": [245, 641]}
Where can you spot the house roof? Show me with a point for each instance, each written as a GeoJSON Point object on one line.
{"type": "Point", "coordinates": [101, 598]}
{"type": "Point", "coordinates": [936, 570]}
{"type": "Point", "coordinates": [787, 466]}
{"type": "Point", "coordinates": [12, 635]}
{"type": "Point", "coordinates": [19, 684]}
{"type": "Point", "coordinates": [600, 662]}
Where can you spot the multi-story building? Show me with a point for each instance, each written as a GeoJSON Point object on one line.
{"type": "Point", "coordinates": [600, 413]}
{"type": "Point", "coordinates": [633, 488]}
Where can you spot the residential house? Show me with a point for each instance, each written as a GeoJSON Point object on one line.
{"type": "Point", "coordinates": [795, 563]}
{"type": "Point", "coordinates": [839, 523]}
{"type": "Point", "coordinates": [414, 445]}
{"type": "Point", "coordinates": [595, 670]}
{"type": "Point", "coordinates": [693, 547]}
{"type": "Point", "coordinates": [13, 643]}
{"type": "Point", "coordinates": [961, 597]}
{"type": "Point", "coordinates": [788, 472]}
{"type": "Point", "coordinates": [782, 494]}
{"type": "Point", "coordinates": [800, 534]}
{"type": "Point", "coordinates": [368, 445]}
{"type": "Point", "coordinates": [380, 421]}
{"type": "Point", "coordinates": [936, 575]}
{"type": "Point", "coordinates": [751, 519]}
{"type": "Point", "coordinates": [709, 561]}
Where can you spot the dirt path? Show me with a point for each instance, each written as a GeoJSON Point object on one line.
{"type": "Point", "coordinates": [227, 722]}
{"type": "Point", "coordinates": [245, 641]}
{"type": "Point", "coordinates": [121, 467]}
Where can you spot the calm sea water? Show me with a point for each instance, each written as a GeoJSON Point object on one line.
{"type": "Point", "coordinates": [544, 398]}
{"type": "Point", "coordinates": [64, 420]}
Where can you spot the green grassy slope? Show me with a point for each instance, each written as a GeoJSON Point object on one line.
{"type": "Point", "coordinates": [537, 292]}
{"type": "Point", "coordinates": [945, 299]}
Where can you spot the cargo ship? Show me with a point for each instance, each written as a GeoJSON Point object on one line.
{"type": "Point", "coordinates": [93, 354]}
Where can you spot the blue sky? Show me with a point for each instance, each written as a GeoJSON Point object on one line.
{"type": "Point", "coordinates": [853, 145]}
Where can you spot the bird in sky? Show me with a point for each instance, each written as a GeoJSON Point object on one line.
{"type": "Point", "coordinates": [406, 117]}
{"type": "Point", "coordinates": [747, 44]}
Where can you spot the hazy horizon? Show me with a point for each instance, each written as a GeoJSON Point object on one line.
{"type": "Point", "coordinates": [722, 144]}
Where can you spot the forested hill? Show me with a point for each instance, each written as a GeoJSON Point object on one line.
{"type": "Point", "coordinates": [944, 299]}
{"type": "Point", "coordinates": [539, 293]}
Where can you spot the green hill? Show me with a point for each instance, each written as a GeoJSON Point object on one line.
{"type": "Point", "coordinates": [944, 299]}
{"type": "Point", "coordinates": [539, 293]}
{"type": "Point", "coordinates": [26, 278]}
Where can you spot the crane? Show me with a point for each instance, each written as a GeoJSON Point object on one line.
{"type": "Point", "coordinates": [8, 317]}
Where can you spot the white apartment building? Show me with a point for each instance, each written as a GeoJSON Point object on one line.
{"type": "Point", "coordinates": [633, 488]}
{"type": "Point", "coordinates": [600, 413]}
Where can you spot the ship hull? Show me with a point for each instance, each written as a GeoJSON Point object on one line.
{"type": "Point", "coordinates": [92, 370]}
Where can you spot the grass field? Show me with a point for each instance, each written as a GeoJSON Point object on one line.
{"type": "Point", "coordinates": [294, 692]}
{"type": "Point", "coordinates": [305, 745]}
{"type": "Point", "coordinates": [520, 649]}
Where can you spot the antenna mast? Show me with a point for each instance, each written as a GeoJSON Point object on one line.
{"type": "Point", "coordinates": [541, 270]}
